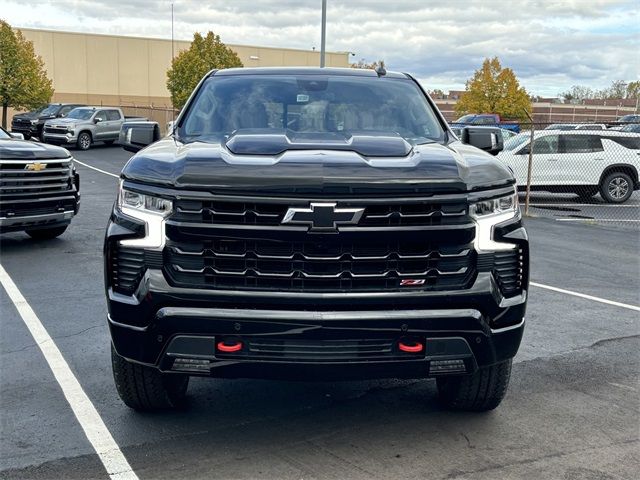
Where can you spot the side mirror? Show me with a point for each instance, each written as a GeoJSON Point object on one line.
{"type": "Point", "coordinates": [134, 136]}
{"type": "Point", "coordinates": [98, 120]}
{"type": "Point", "coordinates": [62, 115]}
{"type": "Point", "coordinates": [485, 138]}
{"type": "Point", "coordinates": [17, 135]}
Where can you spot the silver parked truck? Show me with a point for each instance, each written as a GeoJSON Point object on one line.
{"type": "Point", "coordinates": [84, 126]}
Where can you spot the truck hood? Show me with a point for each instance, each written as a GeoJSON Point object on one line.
{"type": "Point", "coordinates": [328, 168]}
{"type": "Point", "coordinates": [14, 149]}
{"type": "Point", "coordinates": [27, 115]}
{"type": "Point", "coordinates": [64, 121]}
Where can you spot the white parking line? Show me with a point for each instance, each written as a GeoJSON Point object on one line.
{"type": "Point", "coordinates": [94, 428]}
{"type": "Point", "coordinates": [596, 220]}
{"type": "Point", "coordinates": [588, 297]}
{"type": "Point", "coordinates": [75, 160]}
{"type": "Point", "coordinates": [599, 205]}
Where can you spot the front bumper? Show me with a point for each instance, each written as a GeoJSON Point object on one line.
{"type": "Point", "coordinates": [60, 138]}
{"type": "Point", "coordinates": [481, 327]}
{"type": "Point", "coordinates": [39, 212]}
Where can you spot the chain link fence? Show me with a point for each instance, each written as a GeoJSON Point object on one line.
{"type": "Point", "coordinates": [162, 114]}
{"type": "Point", "coordinates": [580, 172]}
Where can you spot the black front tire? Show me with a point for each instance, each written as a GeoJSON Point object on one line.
{"type": "Point", "coordinates": [46, 233]}
{"type": "Point", "coordinates": [479, 392]}
{"type": "Point", "coordinates": [84, 141]}
{"type": "Point", "coordinates": [617, 187]}
{"type": "Point", "coordinates": [146, 389]}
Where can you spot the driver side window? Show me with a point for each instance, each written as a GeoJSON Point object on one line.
{"type": "Point", "coordinates": [546, 145]}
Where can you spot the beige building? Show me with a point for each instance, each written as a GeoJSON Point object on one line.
{"type": "Point", "coordinates": [116, 70]}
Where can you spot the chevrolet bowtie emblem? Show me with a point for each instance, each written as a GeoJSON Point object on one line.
{"type": "Point", "coordinates": [323, 216]}
{"type": "Point", "coordinates": [35, 167]}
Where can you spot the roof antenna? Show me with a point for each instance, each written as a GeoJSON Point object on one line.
{"type": "Point", "coordinates": [380, 70]}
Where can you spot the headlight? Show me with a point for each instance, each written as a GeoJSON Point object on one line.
{"type": "Point", "coordinates": [489, 213]}
{"type": "Point", "coordinates": [496, 206]}
{"type": "Point", "coordinates": [128, 199]}
{"type": "Point", "coordinates": [151, 210]}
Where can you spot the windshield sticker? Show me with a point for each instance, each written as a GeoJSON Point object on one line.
{"type": "Point", "coordinates": [302, 98]}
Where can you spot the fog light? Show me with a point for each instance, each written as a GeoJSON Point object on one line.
{"type": "Point", "coordinates": [447, 366]}
{"type": "Point", "coordinates": [191, 365]}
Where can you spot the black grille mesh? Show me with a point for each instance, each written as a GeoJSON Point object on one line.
{"type": "Point", "coordinates": [507, 268]}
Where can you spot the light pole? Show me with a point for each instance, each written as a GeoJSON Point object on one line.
{"type": "Point", "coordinates": [323, 32]}
{"type": "Point", "coordinates": [173, 108]}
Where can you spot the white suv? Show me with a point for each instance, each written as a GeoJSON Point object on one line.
{"type": "Point", "coordinates": [578, 161]}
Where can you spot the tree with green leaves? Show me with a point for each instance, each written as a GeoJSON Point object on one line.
{"type": "Point", "coordinates": [23, 79]}
{"type": "Point", "coordinates": [494, 89]}
{"type": "Point", "coordinates": [189, 66]}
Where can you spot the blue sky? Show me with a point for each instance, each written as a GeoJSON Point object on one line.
{"type": "Point", "coordinates": [550, 44]}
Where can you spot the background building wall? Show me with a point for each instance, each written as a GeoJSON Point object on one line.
{"type": "Point", "coordinates": [117, 70]}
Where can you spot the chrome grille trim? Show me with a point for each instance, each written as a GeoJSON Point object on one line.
{"type": "Point", "coordinates": [344, 273]}
{"type": "Point", "coordinates": [344, 256]}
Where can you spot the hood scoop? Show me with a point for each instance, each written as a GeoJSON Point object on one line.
{"type": "Point", "coordinates": [268, 142]}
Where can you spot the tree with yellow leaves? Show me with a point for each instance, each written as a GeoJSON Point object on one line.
{"type": "Point", "coordinates": [494, 89]}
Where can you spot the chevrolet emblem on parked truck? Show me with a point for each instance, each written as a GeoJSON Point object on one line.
{"type": "Point", "coordinates": [35, 166]}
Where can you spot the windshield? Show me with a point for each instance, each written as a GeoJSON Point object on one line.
{"type": "Point", "coordinates": [517, 141]}
{"type": "Point", "coordinates": [466, 119]}
{"type": "Point", "coordinates": [4, 134]}
{"type": "Point", "coordinates": [50, 110]}
{"type": "Point", "coordinates": [629, 118]}
{"type": "Point", "coordinates": [81, 113]}
{"type": "Point", "coordinates": [317, 105]}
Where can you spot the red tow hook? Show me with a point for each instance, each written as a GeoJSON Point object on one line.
{"type": "Point", "coordinates": [410, 346]}
{"type": "Point", "coordinates": [229, 346]}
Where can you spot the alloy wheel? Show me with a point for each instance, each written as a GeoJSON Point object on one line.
{"type": "Point", "coordinates": [618, 188]}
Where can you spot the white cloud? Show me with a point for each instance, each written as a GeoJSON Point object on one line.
{"type": "Point", "coordinates": [550, 44]}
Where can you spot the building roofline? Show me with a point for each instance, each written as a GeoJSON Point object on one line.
{"type": "Point", "coordinates": [344, 71]}
{"type": "Point", "coordinates": [68, 32]}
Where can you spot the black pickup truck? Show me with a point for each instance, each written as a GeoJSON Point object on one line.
{"type": "Point", "coordinates": [31, 124]}
{"type": "Point", "coordinates": [314, 224]}
{"type": "Point", "coordinates": [39, 188]}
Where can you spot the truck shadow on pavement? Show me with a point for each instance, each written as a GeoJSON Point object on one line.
{"type": "Point", "coordinates": [560, 411]}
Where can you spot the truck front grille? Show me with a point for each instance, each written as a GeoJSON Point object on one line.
{"type": "Point", "coordinates": [400, 245]}
{"type": "Point", "coordinates": [34, 177]}
{"type": "Point", "coordinates": [56, 130]}
{"type": "Point", "coordinates": [258, 213]}
{"type": "Point", "coordinates": [21, 122]}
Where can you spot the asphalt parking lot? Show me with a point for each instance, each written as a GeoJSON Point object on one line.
{"type": "Point", "coordinates": [569, 208]}
{"type": "Point", "coordinates": [572, 411]}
